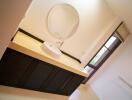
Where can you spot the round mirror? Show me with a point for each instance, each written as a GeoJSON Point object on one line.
{"type": "Point", "coordinates": [63, 21]}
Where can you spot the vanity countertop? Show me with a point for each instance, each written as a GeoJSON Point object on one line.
{"type": "Point", "coordinates": [29, 46]}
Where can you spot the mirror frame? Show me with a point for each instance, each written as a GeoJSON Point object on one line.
{"type": "Point", "coordinates": [74, 28]}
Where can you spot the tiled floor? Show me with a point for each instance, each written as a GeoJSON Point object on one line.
{"type": "Point", "coordinates": [9, 93]}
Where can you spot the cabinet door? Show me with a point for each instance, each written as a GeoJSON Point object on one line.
{"type": "Point", "coordinates": [38, 76]}
{"type": "Point", "coordinates": [56, 80]}
{"type": "Point", "coordinates": [71, 84]}
{"type": "Point", "coordinates": [12, 67]}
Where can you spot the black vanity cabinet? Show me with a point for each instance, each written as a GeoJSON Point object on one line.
{"type": "Point", "coordinates": [22, 71]}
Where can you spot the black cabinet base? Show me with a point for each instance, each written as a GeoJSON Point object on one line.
{"type": "Point", "coordinates": [22, 71]}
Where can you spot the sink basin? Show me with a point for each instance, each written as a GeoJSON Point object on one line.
{"type": "Point", "coordinates": [51, 49]}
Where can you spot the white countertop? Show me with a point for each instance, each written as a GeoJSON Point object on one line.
{"type": "Point", "coordinates": [29, 46]}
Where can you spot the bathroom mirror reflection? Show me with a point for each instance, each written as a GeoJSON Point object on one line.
{"type": "Point", "coordinates": [62, 21]}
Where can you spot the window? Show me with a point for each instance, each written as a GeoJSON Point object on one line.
{"type": "Point", "coordinates": [106, 50]}
{"type": "Point", "coordinates": [102, 55]}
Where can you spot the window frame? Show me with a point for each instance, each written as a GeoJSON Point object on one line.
{"type": "Point", "coordinates": [94, 69]}
{"type": "Point", "coordinates": [118, 42]}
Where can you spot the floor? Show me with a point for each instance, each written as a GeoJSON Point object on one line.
{"type": "Point", "coordinates": [84, 92]}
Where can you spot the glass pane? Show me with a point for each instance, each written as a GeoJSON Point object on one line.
{"type": "Point", "coordinates": [89, 69]}
{"type": "Point", "coordinates": [110, 41]}
{"type": "Point", "coordinates": [97, 57]}
{"type": "Point", "coordinates": [102, 57]}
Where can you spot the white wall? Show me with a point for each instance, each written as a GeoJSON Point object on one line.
{"type": "Point", "coordinates": [95, 16]}
{"type": "Point", "coordinates": [11, 13]}
{"type": "Point", "coordinates": [122, 8]}
{"type": "Point", "coordinates": [106, 83]}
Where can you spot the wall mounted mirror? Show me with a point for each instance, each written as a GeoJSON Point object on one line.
{"type": "Point", "coordinates": [62, 21]}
